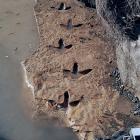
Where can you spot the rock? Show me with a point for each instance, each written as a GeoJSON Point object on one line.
{"type": "Point", "coordinates": [62, 6]}
{"type": "Point", "coordinates": [69, 24]}
{"type": "Point", "coordinates": [61, 44]}
{"type": "Point", "coordinates": [117, 134]}
{"type": "Point", "coordinates": [135, 100]}
{"type": "Point", "coordinates": [89, 3]}
{"type": "Point", "coordinates": [123, 24]}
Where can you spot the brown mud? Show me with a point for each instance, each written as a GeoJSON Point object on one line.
{"type": "Point", "coordinates": [101, 111]}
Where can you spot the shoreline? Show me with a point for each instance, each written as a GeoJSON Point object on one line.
{"type": "Point", "coordinates": [26, 79]}
{"type": "Point", "coordinates": [24, 71]}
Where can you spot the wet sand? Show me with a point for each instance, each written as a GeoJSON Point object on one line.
{"type": "Point", "coordinates": [18, 39]}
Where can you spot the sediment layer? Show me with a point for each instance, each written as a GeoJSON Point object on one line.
{"type": "Point", "coordinates": [94, 108]}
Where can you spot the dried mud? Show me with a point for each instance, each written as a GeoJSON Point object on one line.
{"type": "Point", "coordinates": [101, 111]}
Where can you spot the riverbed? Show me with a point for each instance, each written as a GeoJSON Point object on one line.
{"type": "Point", "coordinates": [18, 39]}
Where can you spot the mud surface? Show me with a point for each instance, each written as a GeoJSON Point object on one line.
{"type": "Point", "coordinates": [92, 107]}
{"type": "Point", "coordinates": [18, 39]}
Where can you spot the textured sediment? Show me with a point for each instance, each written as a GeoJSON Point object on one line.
{"type": "Point", "coordinates": [94, 108]}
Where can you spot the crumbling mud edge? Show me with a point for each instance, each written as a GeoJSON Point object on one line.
{"type": "Point", "coordinates": [27, 81]}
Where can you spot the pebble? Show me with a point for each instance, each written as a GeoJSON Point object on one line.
{"type": "Point", "coordinates": [115, 73]}
{"type": "Point", "coordinates": [118, 85]}
{"type": "Point", "coordinates": [135, 99]}
{"type": "Point", "coordinates": [117, 134]}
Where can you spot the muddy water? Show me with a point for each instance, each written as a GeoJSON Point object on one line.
{"type": "Point", "coordinates": [18, 38]}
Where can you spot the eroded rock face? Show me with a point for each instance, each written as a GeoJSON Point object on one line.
{"type": "Point", "coordinates": [123, 15]}
{"type": "Point", "coordinates": [89, 3]}
{"type": "Point", "coordinates": [122, 18]}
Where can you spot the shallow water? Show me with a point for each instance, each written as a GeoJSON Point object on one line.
{"type": "Point", "coordinates": [18, 38]}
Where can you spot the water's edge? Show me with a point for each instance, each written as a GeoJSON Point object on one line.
{"type": "Point", "coordinates": [27, 79]}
